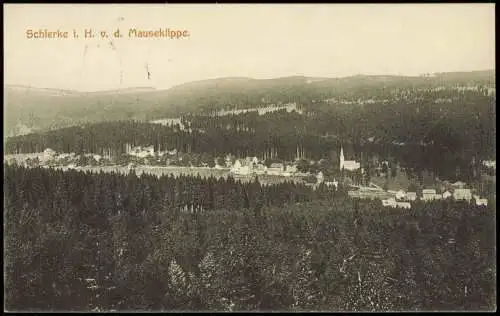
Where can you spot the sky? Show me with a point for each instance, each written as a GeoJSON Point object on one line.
{"type": "Point", "coordinates": [242, 40]}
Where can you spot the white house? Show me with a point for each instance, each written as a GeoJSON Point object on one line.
{"type": "Point", "coordinates": [348, 164]}
{"type": "Point", "coordinates": [490, 164]}
{"type": "Point", "coordinates": [172, 152]}
{"type": "Point", "coordinates": [48, 154]}
{"type": "Point", "coordinates": [241, 167]}
{"type": "Point", "coordinates": [403, 205]}
{"type": "Point", "coordinates": [400, 195]}
{"type": "Point", "coordinates": [447, 195]}
{"type": "Point", "coordinates": [389, 202]}
{"type": "Point", "coordinates": [462, 194]}
{"type": "Point", "coordinates": [411, 196]}
{"type": "Point", "coordinates": [260, 168]}
{"type": "Point", "coordinates": [275, 169]}
{"type": "Point", "coordinates": [482, 202]}
{"type": "Point", "coordinates": [141, 152]}
{"type": "Point", "coordinates": [430, 194]}
{"type": "Point", "coordinates": [252, 161]}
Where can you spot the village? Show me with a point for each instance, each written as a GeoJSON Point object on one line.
{"type": "Point", "coordinates": [390, 198]}
{"type": "Point", "coordinates": [247, 169]}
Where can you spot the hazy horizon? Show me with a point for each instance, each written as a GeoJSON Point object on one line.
{"type": "Point", "coordinates": [217, 78]}
{"type": "Point", "coordinates": [245, 41]}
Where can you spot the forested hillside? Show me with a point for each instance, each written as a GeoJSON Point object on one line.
{"type": "Point", "coordinates": [76, 241]}
{"type": "Point", "coordinates": [440, 137]}
{"type": "Point", "coordinates": [42, 109]}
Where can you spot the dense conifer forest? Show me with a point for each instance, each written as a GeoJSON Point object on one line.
{"type": "Point", "coordinates": [80, 241]}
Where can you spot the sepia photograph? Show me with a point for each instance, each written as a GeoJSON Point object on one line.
{"type": "Point", "coordinates": [249, 158]}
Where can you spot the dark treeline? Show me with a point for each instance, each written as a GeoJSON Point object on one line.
{"type": "Point", "coordinates": [77, 241]}
{"type": "Point", "coordinates": [129, 191]}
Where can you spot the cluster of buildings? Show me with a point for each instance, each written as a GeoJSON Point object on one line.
{"type": "Point", "coordinates": [402, 199]}
{"type": "Point", "coordinates": [492, 164]}
{"type": "Point", "coordinates": [252, 165]}
{"type": "Point", "coordinates": [147, 151]}
{"type": "Point", "coordinates": [49, 156]}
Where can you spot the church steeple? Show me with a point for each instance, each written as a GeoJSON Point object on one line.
{"type": "Point", "coordinates": [341, 157]}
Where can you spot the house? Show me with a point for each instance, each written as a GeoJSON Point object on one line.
{"type": "Point", "coordinates": [252, 161]}
{"type": "Point", "coordinates": [447, 195]}
{"type": "Point", "coordinates": [350, 165]}
{"type": "Point", "coordinates": [411, 196]}
{"type": "Point", "coordinates": [406, 205]}
{"type": "Point", "coordinates": [400, 195]}
{"type": "Point", "coordinates": [462, 194]}
{"type": "Point", "coordinates": [275, 169]}
{"type": "Point", "coordinates": [490, 164]}
{"type": "Point", "coordinates": [242, 167]}
{"type": "Point", "coordinates": [65, 155]}
{"type": "Point", "coordinates": [428, 191]}
{"type": "Point", "coordinates": [430, 195]}
{"type": "Point", "coordinates": [172, 152]}
{"type": "Point", "coordinates": [391, 202]}
{"type": "Point", "coordinates": [48, 154]}
{"type": "Point", "coordinates": [141, 152]}
{"type": "Point", "coordinates": [483, 202]}
{"type": "Point", "coordinates": [259, 168]}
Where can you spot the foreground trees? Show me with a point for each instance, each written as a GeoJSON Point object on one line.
{"type": "Point", "coordinates": [77, 241]}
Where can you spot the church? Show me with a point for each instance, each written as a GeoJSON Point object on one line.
{"type": "Point", "coordinates": [350, 165]}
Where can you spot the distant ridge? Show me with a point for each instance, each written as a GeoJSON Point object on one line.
{"type": "Point", "coordinates": [15, 87]}
{"type": "Point", "coordinates": [239, 80]}
{"type": "Point", "coordinates": [48, 90]}
{"type": "Point", "coordinates": [41, 109]}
